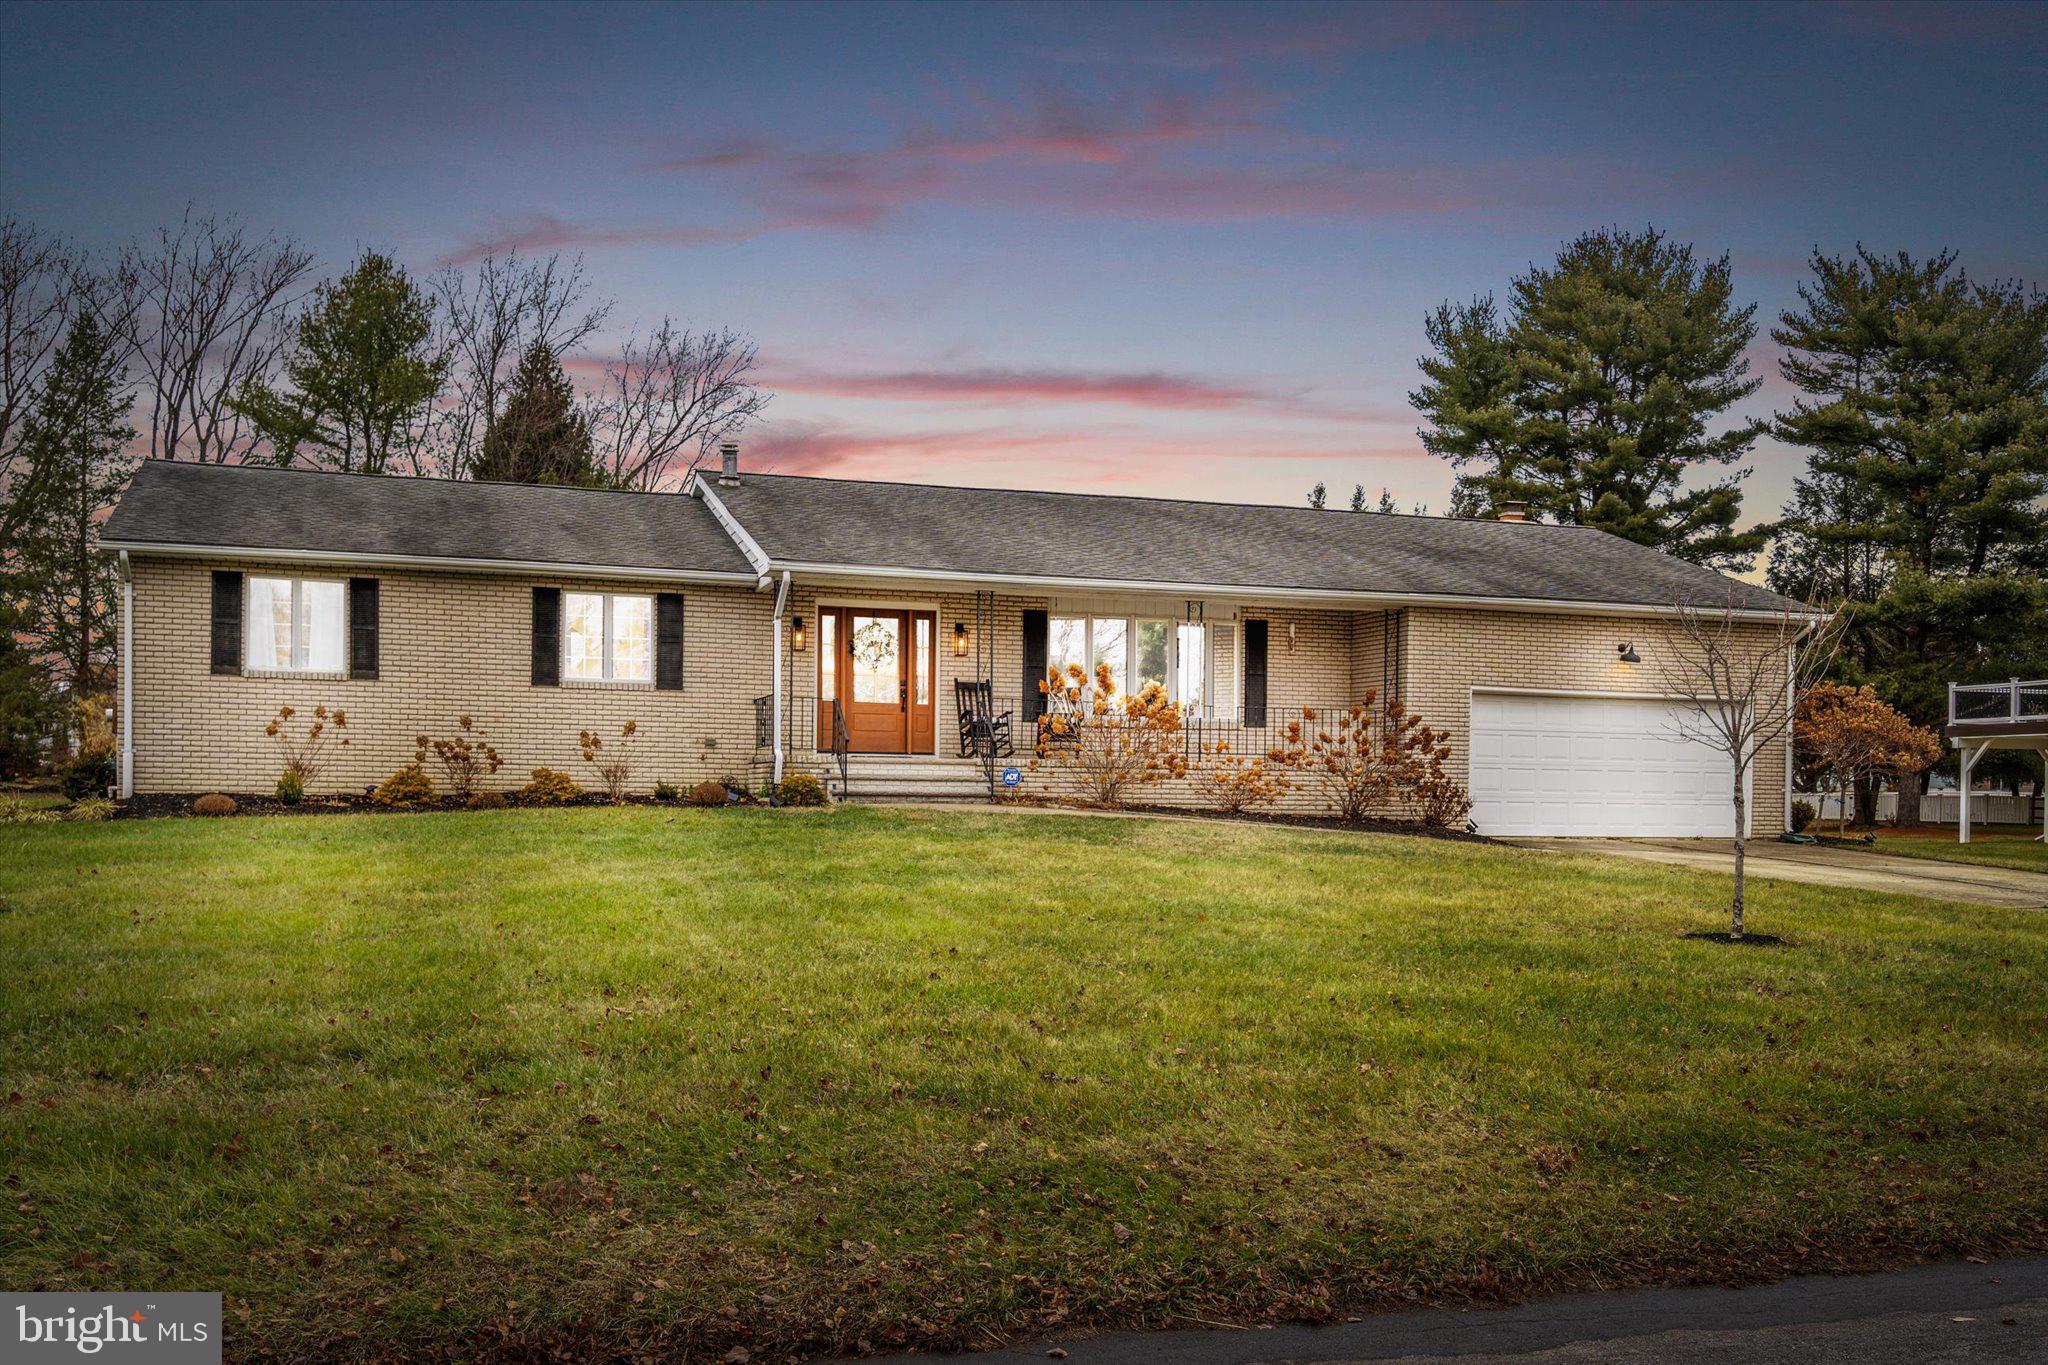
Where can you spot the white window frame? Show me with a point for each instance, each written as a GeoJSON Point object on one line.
{"type": "Point", "coordinates": [608, 649]}
{"type": "Point", "coordinates": [301, 633]}
{"type": "Point", "coordinates": [1128, 673]}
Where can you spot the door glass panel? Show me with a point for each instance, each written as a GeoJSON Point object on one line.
{"type": "Point", "coordinates": [1069, 643]}
{"type": "Point", "coordinates": [877, 659]}
{"type": "Point", "coordinates": [828, 655]}
{"type": "Point", "coordinates": [1193, 643]}
{"type": "Point", "coordinates": [921, 660]}
{"type": "Point", "coordinates": [1152, 654]}
{"type": "Point", "coordinates": [1110, 635]}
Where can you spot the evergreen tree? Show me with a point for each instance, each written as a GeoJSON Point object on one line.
{"type": "Point", "coordinates": [1358, 497]}
{"type": "Point", "coordinates": [362, 369]}
{"type": "Point", "coordinates": [1591, 400]}
{"type": "Point", "coordinates": [1319, 496]}
{"type": "Point", "coordinates": [1386, 502]}
{"type": "Point", "coordinates": [540, 435]}
{"type": "Point", "coordinates": [1925, 410]}
{"type": "Point", "coordinates": [75, 464]}
{"type": "Point", "coordinates": [27, 707]}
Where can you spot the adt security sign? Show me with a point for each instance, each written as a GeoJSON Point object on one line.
{"type": "Point", "coordinates": [1013, 777]}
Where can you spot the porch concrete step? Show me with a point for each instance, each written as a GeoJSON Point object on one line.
{"type": "Point", "coordinates": [911, 779]}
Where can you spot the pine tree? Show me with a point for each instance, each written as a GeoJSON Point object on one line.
{"type": "Point", "coordinates": [75, 464]}
{"type": "Point", "coordinates": [1925, 408]}
{"type": "Point", "coordinates": [1358, 497]}
{"type": "Point", "coordinates": [1319, 496]}
{"type": "Point", "coordinates": [540, 436]}
{"type": "Point", "coordinates": [1591, 400]}
{"type": "Point", "coordinates": [361, 368]}
{"type": "Point", "coordinates": [1386, 502]}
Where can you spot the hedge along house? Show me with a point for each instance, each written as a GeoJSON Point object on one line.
{"type": "Point", "coordinates": [754, 625]}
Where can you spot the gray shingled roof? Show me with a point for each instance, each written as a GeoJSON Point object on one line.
{"type": "Point", "coordinates": [971, 531]}
{"type": "Point", "coordinates": [260, 508]}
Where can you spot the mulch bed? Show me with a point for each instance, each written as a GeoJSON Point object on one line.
{"type": "Point", "coordinates": [164, 805]}
{"type": "Point", "coordinates": [1413, 828]}
{"type": "Point", "coordinates": [1746, 941]}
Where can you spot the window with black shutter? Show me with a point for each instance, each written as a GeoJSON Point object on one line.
{"type": "Point", "coordinates": [227, 621]}
{"type": "Point", "coordinates": [362, 627]}
{"type": "Point", "coordinates": [547, 637]}
{"type": "Point", "coordinates": [1034, 664]}
{"type": "Point", "coordinates": [668, 641]}
{"type": "Point", "coordinates": [1255, 643]}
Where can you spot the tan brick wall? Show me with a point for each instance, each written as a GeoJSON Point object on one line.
{"type": "Point", "coordinates": [450, 644]}
{"type": "Point", "coordinates": [1450, 651]}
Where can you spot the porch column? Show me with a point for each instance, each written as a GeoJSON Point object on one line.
{"type": "Point", "coordinates": [1963, 822]}
{"type": "Point", "coordinates": [781, 604]}
{"type": "Point", "coordinates": [127, 679]}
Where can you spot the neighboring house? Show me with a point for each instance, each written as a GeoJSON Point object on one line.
{"type": "Point", "coordinates": [755, 624]}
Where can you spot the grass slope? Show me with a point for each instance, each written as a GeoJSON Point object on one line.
{"type": "Point", "coordinates": [2015, 846]}
{"type": "Point", "coordinates": [599, 1080]}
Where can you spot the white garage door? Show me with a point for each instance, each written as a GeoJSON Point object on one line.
{"type": "Point", "coordinates": [1593, 766]}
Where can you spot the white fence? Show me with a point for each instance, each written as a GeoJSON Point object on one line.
{"type": "Point", "coordinates": [1937, 808]}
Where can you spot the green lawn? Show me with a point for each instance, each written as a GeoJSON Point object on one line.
{"type": "Point", "coordinates": [1999, 846]}
{"type": "Point", "coordinates": [599, 1080]}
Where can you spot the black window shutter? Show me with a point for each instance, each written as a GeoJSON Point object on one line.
{"type": "Point", "coordinates": [227, 621]}
{"type": "Point", "coordinates": [1035, 626]}
{"type": "Point", "coordinates": [1255, 642]}
{"type": "Point", "coordinates": [547, 637]}
{"type": "Point", "coordinates": [362, 628]}
{"type": "Point", "coordinates": [668, 641]}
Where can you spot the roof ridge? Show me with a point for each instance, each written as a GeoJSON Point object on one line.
{"type": "Point", "coordinates": [1178, 502]}
{"type": "Point", "coordinates": [242, 467]}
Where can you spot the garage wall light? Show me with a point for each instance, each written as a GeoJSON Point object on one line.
{"type": "Point", "coordinates": [1628, 653]}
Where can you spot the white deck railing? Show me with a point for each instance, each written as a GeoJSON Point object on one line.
{"type": "Point", "coordinates": [2015, 700]}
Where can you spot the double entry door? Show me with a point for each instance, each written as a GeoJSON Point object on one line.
{"type": "Point", "coordinates": [881, 665]}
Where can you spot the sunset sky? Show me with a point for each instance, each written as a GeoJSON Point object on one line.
{"type": "Point", "coordinates": [1171, 250]}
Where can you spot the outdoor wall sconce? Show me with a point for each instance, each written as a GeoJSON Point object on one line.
{"type": "Point", "coordinates": [1290, 637]}
{"type": "Point", "coordinates": [796, 633]}
{"type": "Point", "coordinates": [959, 639]}
{"type": "Point", "coordinates": [1628, 653]}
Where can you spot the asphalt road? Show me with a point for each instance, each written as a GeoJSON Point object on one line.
{"type": "Point", "coordinates": [1936, 1313]}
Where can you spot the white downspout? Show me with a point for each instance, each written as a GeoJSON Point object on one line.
{"type": "Point", "coordinates": [127, 678]}
{"type": "Point", "coordinates": [781, 602]}
{"type": "Point", "coordinates": [1791, 728]}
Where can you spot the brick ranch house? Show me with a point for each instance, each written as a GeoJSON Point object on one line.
{"type": "Point", "coordinates": [758, 624]}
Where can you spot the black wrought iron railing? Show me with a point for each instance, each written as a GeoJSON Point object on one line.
{"type": "Point", "coordinates": [808, 729]}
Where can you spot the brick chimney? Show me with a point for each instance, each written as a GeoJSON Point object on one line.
{"type": "Point", "coordinates": [728, 464]}
{"type": "Point", "coordinates": [1512, 511]}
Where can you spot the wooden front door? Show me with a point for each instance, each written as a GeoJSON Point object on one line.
{"type": "Point", "coordinates": [880, 664]}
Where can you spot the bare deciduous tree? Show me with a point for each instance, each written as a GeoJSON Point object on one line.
{"type": "Point", "coordinates": [39, 288]}
{"type": "Point", "coordinates": [668, 399]}
{"type": "Point", "coordinates": [1744, 677]}
{"type": "Point", "coordinates": [488, 319]}
{"type": "Point", "coordinates": [209, 304]}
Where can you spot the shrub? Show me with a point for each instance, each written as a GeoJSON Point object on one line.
{"type": "Point", "coordinates": [19, 810]}
{"type": "Point", "coordinates": [89, 717]}
{"type": "Point", "coordinates": [550, 788]}
{"type": "Point", "coordinates": [92, 808]}
{"type": "Point", "coordinates": [409, 786]}
{"type": "Point", "coordinates": [614, 765]}
{"type": "Point", "coordinates": [709, 794]}
{"type": "Point", "coordinates": [463, 759]}
{"type": "Point", "coordinates": [1365, 757]}
{"type": "Point", "coordinates": [213, 803]}
{"type": "Point", "coordinates": [86, 775]}
{"type": "Point", "coordinates": [304, 754]}
{"type": "Point", "coordinates": [1108, 744]}
{"type": "Point", "coordinates": [800, 789]}
{"type": "Point", "coordinates": [1803, 816]}
{"type": "Point", "coordinates": [1235, 783]}
{"type": "Point", "coordinates": [666, 791]}
{"type": "Point", "coordinates": [290, 789]}
{"type": "Point", "coordinates": [487, 801]}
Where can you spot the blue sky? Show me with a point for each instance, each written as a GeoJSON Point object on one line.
{"type": "Point", "coordinates": [1179, 250]}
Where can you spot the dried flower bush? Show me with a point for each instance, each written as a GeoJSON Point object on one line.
{"type": "Point", "coordinates": [1371, 756]}
{"type": "Point", "coordinates": [305, 753]}
{"type": "Point", "coordinates": [1106, 743]}
{"type": "Point", "coordinates": [614, 765]}
{"type": "Point", "coordinates": [1235, 782]}
{"type": "Point", "coordinates": [463, 759]}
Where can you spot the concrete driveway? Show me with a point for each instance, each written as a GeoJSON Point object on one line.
{"type": "Point", "coordinates": [1828, 867]}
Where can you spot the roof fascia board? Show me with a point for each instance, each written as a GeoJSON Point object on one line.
{"type": "Point", "coordinates": [1329, 596]}
{"type": "Point", "coordinates": [756, 556]}
{"type": "Point", "coordinates": [506, 566]}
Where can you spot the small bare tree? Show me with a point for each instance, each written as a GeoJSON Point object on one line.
{"type": "Point", "coordinates": [205, 310]}
{"type": "Point", "coordinates": [1743, 676]}
{"type": "Point", "coordinates": [489, 317]}
{"type": "Point", "coordinates": [668, 399]}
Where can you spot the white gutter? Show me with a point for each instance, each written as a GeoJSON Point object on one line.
{"type": "Point", "coordinates": [505, 566]}
{"type": "Point", "coordinates": [775, 711]}
{"type": "Point", "coordinates": [1331, 596]}
{"type": "Point", "coordinates": [127, 676]}
{"type": "Point", "coordinates": [748, 546]}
